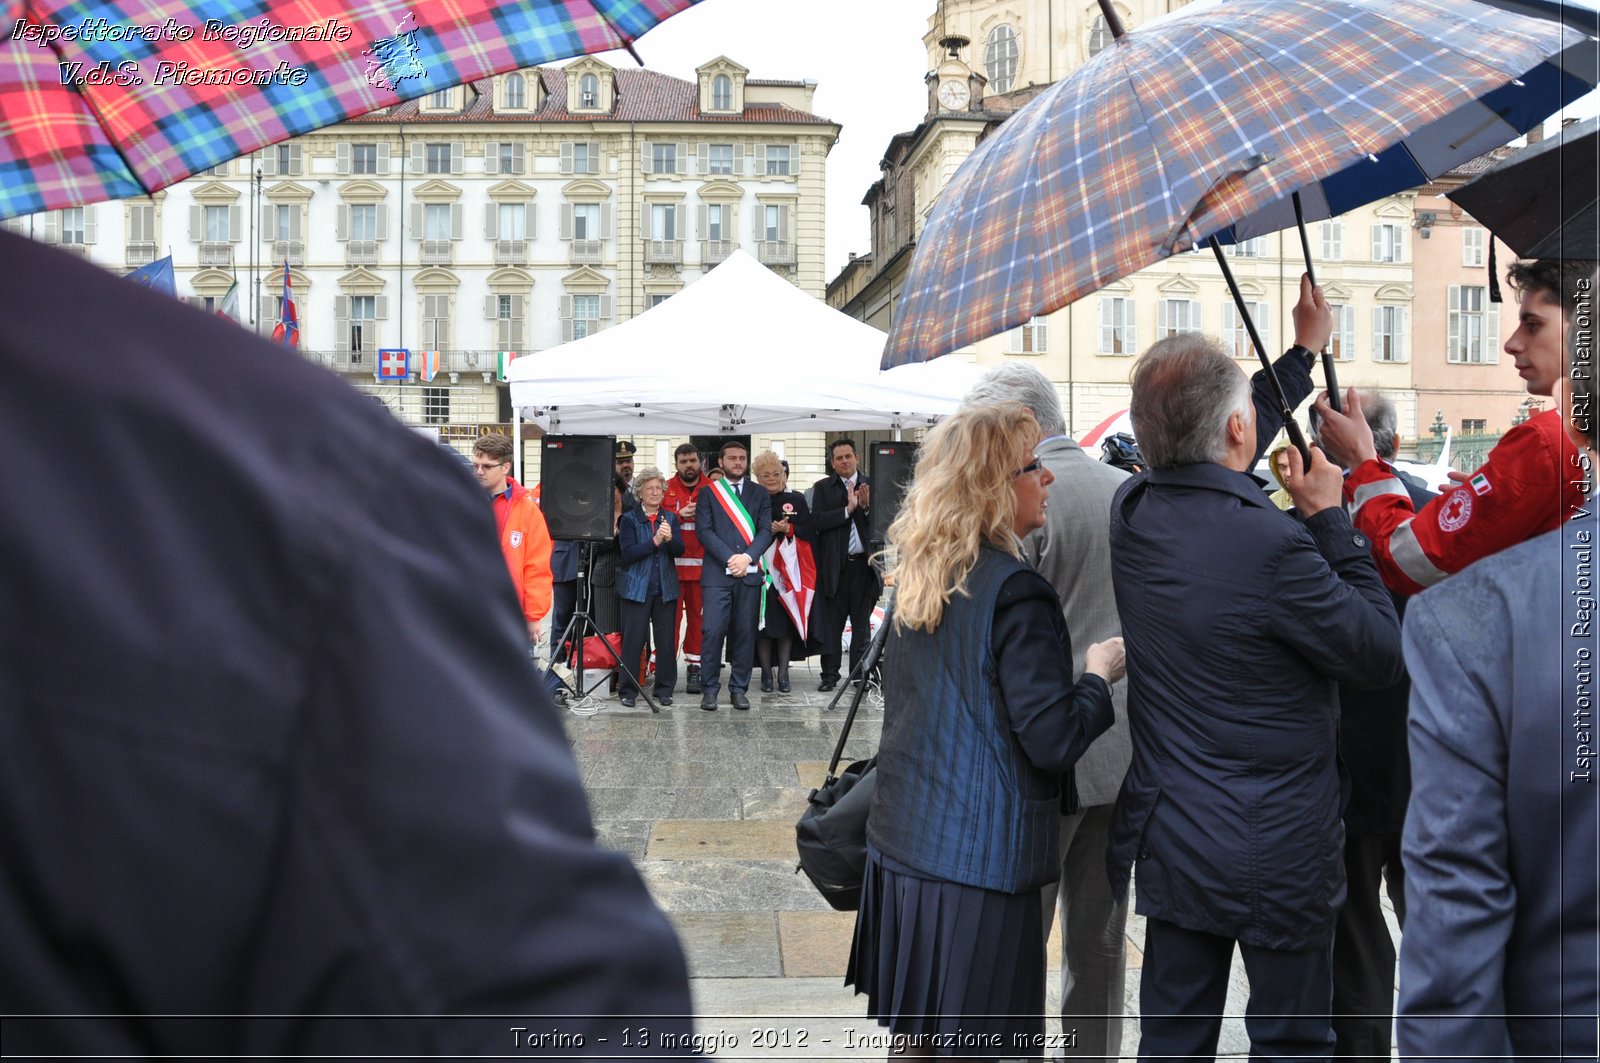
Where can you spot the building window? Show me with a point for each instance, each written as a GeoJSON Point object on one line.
{"type": "Point", "coordinates": [435, 405]}
{"type": "Point", "coordinates": [516, 91]}
{"type": "Point", "coordinates": [508, 322]}
{"type": "Point", "coordinates": [1116, 325]}
{"type": "Point", "coordinates": [719, 159]}
{"type": "Point", "coordinates": [585, 315]}
{"type": "Point", "coordinates": [1255, 247]}
{"type": "Point", "coordinates": [1177, 315]}
{"type": "Point", "coordinates": [1474, 244]}
{"type": "Point", "coordinates": [363, 221]}
{"type": "Point", "coordinates": [1388, 335]}
{"type": "Point", "coordinates": [1099, 35]}
{"type": "Point", "coordinates": [586, 221]}
{"type": "Point", "coordinates": [1236, 337]}
{"type": "Point", "coordinates": [663, 221]}
{"type": "Point", "coordinates": [72, 230]}
{"type": "Point", "coordinates": [435, 322]}
{"type": "Point", "coordinates": [1473, 426]}
{"type": "Point", "coordinates": [363, 323]}
{"type": "Point", "coordinates": [583, 160]}
{"type": "Point", "coordinates": [663, 158]}
{"type": "Point", "coordinates": [440, 99]}
{"type": "Point", "coordinates": [657, 298]}
{"type": "Point", "coordinates": [285, 227]}
{"type": "Point", "coordinates": [512, 223]}
{"type": "Point", "coordinates": [508, 158]}
{"type": "Point", "coordinates": [772, 223]}
{"type": "Point", "coordinates": [288, 159]}
{"type": "Point", "coordinates": [1029, 339]}
{"type": "Point", "coordinates": [141, 233]}
{"type": "Point", "coordinates": [716, 221]}
{"type": "Point", "coordinates": [364, 158]}
{"type": "Point", "coordinates": [439, 158]}
{"type": "Point", "coordinates": [1332, 241]}
{"type": "Point", "coordinates": [1474, 326]}
{"type": "Point", "coordinates": [216, 224]}
{"type": "Point", "coordinates": [778, 156]}
{"type": "Point", "coordinates": [436, 222]}
{"type": "Point", "coordinates": [722, 93]}
{"type": "Point", "coordinates": [1000, 57]}
{"type": "Point", "coordinates": [589, 91]}
{"type": "Point", "coordinates": [1342, 342]}
{"type": "Point", "coordinates": [1387, 243]}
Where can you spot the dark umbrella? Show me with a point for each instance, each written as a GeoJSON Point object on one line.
{"type": "Point", "coordinates": [1541, 201]}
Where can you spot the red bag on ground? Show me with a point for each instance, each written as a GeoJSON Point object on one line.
{"type": "Point", "coordinates": [595, 655]}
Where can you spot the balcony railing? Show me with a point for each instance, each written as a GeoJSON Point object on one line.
{"type": "Point", "coordinates": [292, 251]}
{"type": "Point", "coordinates": [586, 252]}
{"type": "Point", "coordinates": [663, 252]}
{"type": "Point", "coordinates": [214, 253]}
{"type": "Point", "coordinates": [361, 253]}
{"type": "Point", "coordinates": [437, 252]}
{"type": "Point", "coordinates": [716, 250]}
{"type": "Point", "coordinates": [511, 252]}
{"type": "Point", "coordinates": [472, 361]}
{"type": "Point", "coordinates": [775, 252]}
{"type": "Point", "coordinates": [141, 254]}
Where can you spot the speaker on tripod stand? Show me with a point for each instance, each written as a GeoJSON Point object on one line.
{"type": "Point", "coordinates": [578, 499]}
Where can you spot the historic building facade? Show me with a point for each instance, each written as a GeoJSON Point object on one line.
{"type": "Point", "coordinates": [499, 218]}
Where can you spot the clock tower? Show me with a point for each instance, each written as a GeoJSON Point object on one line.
{"type": "Point", "coordinates": [954, 87]}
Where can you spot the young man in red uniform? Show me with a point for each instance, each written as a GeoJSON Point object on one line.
{"type": "Point", "coordinates": [524, 539]}
{"type": "Point", "coordinates": [1531, 482]}
{"type": "Point", "coordinates": [681, 491]}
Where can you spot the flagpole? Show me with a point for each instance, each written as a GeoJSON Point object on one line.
{"type": "Point", "coordinates": [255, 247]}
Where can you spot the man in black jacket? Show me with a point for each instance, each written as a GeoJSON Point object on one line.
{"type": "Point", "coordinates": [1238, 622]}
{"type": "Point", "coordinates": [847, 584]}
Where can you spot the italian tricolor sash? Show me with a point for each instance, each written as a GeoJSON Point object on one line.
{"type": "Point", "coordinates": [729, 500]}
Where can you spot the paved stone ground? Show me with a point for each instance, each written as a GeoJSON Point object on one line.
{"type": "Point", "coordinates": [705, 805]}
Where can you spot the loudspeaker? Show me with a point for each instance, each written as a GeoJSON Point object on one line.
{"type": "Point", "coordinates": [892, 466]}
{"type": "Point", "coordinates": [576, 496]}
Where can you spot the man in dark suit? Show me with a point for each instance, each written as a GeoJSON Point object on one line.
{"type": "Point", "coordinates": [734, 519]}
{"type": "Point", "coordinates": [847, 586]}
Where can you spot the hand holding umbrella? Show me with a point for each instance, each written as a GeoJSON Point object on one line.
{"type": "Point", "coordinates": [1319, 487]}
{"type": "Point", "coordinates": [1346, 435]}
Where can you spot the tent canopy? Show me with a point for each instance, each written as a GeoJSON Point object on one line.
{"type": "Point", "coordinates": [741, 350]}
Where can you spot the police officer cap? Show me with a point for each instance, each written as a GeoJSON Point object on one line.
{"type": "Point", "coordinates": [626, 449]}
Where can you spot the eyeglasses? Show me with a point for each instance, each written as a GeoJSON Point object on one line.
{"type": "Point", "coordinates": [1033, 466]}
{"type": "Point", "coordinates": [490, 465]}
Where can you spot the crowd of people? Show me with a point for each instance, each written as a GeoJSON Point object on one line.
{"type": "Point", "coordinates": [1254, 776]}
{"type": "Point", "coordinates": [724, 565]}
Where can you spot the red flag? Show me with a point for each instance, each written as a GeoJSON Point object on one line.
{"type": "Point", "coordinates": [287, 330]}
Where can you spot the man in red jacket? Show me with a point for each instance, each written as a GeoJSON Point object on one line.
{"type": "Point", "coordinates": [1531, 482]}
{"type": "Point", "coordinates": [680, 499]}
{"type": "Point", "coordinates": [524, 539]}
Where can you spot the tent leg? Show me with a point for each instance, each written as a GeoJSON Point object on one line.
{"type": "Point", "coordinates": [516, 444]}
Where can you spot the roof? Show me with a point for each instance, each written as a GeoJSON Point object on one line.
{"type": "Point", "coordinates": [641, 96]}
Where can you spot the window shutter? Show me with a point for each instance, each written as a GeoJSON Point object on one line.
{"type": "Point", "coordinates": [566, 158]}
{"type": "Point", "coordinates": [234, 228]}
{"type": "Point", "coordinates": [605, 308]}
{"type": "Point", "coordinates": [294, 160]}
{"type": "Point", "coordinates": [1491, 334]}
{"type": "Point", "coordinates": [566, 221]}
{"type": "Point", "coordinates": [491, 221]}
{"type": "Point", "coordinates": [491, 309]}
{"type": "Point", "coordinates": [341, 222]}
{"type": "Point", "coordinates": [531, 216]}
{"type": "Point", "coordinates": [1453, 334]}
{"type": "Point", "coordinates": [91, 226]}
{"type": "Point", "coordinates": [269, 312]}
{"type": "Point", "coordinates": [381, 222]}
{"type": "Point", "coordinates": [682, 158]}
{"type": "Point", "coordinates": [491, 157]}
{"type": "Point", "coordinates": [730, 223]}
{"type": "Point", "coordinates": [269, 162]}
{"type": "Point", "coordinates": [295, 227]}
{"type": "Point", "coordinates": [644, 157]}
{"type": "Point", "coordinates": [783, 223]}
{"type": "Point", "coordinates": [1129, 329]}
{"type": "Point", "coordinates": [269, 221]}
{"type": "Point", "coordinates": [794, 160]}
{"type": "Point", "coordinates": [594, 156]}
{"type": "Point", "coordinates": [703, 158]}
{"type": "Point", "coordinates": [455, 156]}
{"type": "Point", "coordinates": [517, 157]}
{"type": "Point", "coordinates": [565, 308]}
{"type": "Point", "coordinates": [341, 158]}
{"type": "Point", "coordinates": [1164, 316]}
{"type": "Point", "coordinates": [1107, 324]}
{"type": "Point", "coordinates": [383, 157]}
{"type": "Point", "coordinates": [645, 216]}
{"type": "Point", "coordinates": [761, 160]}
{"type": "Point", "coordinates": [341, 322]}
{"type": "Point", "coordinates": [702, 230]}
{"type": "Point", "coordinates": [455, 221]}
{"type": "Point", "coordinates": [605, 221]}
{"type": "Point", "coordinates": [738, 161]}
{"type": "Point", "coordinates": [1377, 243]}
{"type": "Point", "coordinates": [1377, 333]}
{"type": "Point", "coordinates": [52, 227]}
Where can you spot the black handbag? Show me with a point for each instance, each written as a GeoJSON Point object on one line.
{"type": "Point", "coordinates": [831, 836]}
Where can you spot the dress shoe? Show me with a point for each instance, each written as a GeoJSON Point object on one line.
{"type": "Point", "coordinates": [627, 700]}
{"type": "Point", "coordinates": [663, 700]}
{"type": "Point", "coordinates": [708, 701]}
{"type": "Point", "coordinates": [827, 685]}
{"type": "Point", "coordinates": [692, 686]}
{"type": "Point", "coordinates": [783, 683]}
{"type": "Point", "coordinates": [739, 701]}
{"type": "Point", "coordinates": [766, 682]}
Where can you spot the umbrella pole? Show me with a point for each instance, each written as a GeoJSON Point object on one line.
{"type": "Point", "coordinates": [1295, 435]}
{"type": "Point", "coordinates": [1327, 359]}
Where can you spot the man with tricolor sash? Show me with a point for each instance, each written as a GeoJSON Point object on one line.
{"type": "Point", "coordinates": [733, 518]}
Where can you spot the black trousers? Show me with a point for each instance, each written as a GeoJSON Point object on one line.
{"type": "Point", "coordinates": [858, 593]}
{"type": "Point", "coordinates": [1363, 952]}
{"type": "Point", "coordinates": [638, 619]}
{"type": "Point", "coordinates": [1184, 989]}
{"type": "Point", "coordinates": [564, 599]}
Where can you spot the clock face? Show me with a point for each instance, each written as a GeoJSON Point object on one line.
{"type": "Point", "coordinates": [954, 95]}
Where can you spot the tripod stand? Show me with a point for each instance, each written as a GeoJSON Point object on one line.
{"type": "Point", "coordinates": [582, 626]}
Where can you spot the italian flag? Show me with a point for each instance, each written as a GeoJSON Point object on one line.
{"type": "Point", "coordinates": [505, 363]}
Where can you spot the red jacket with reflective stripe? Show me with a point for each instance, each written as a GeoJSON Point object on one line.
{"type": "Point", "coordinates": [525, 542]}
{"type": "Point", "coordinates": [1531, 483]}
{"type": "Point", "coordinates": [678, 495]}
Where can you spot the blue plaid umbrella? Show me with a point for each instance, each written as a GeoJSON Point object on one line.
{"type": "Point", "coordinates": [1200, 120]}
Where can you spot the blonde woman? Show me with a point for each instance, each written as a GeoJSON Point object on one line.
{"type": "Point", "coordinates": [983, 718]}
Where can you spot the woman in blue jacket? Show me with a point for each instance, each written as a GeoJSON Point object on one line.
{"type": "Point", "coordinates": [983, 719]}
{"type": "Point", "coordinates": [649, 537]}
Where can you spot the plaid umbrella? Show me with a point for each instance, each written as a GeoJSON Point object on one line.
{"type": "Point", "coordinates": [103, 99]}
{"type": "Point", "coordinates": [1195, 121]}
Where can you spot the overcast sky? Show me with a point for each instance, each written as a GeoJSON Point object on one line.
{"type": "Point", "coordinates": [867, 59]}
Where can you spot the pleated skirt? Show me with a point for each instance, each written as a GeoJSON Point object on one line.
{"type": "Point", "coordinates": [961, 966]}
